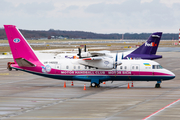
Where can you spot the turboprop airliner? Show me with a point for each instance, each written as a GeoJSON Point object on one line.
{"type": "Point", "coordinates": [146, 51]}
{"type": "Point", "coordinates": [89, 69]}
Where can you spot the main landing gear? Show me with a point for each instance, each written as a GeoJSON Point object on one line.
{"type": "Point", "coordinates": [158, 85]}
{"type": "Point", "coordinates": [95, 84]}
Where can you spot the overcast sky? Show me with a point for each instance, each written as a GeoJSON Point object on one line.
{"type": "Point", "coordinates": [100, 16]}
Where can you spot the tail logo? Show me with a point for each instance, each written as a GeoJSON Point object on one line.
{"type": "Point", "coordinates": [16, 40]}
{"type": "Point", "coordinates": [151, 44]}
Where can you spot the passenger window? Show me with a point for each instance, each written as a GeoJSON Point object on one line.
{"type": "Point", "coordinates": [136, 67]}
{"type": "Point", "coordinates": [132, 67]}
{"type": "Point", "coordinates": [74, 67]}
{"type": "Point", "coordinates": [67, 67]}
{"type": "Point", "coordinates": [125, 67]}
{"type": "Point", "coordinates": [121, 67]}
{"type": "Point", "coordinates": [85, 67]}
{"type": "Point", "coordinates": [78, 67]}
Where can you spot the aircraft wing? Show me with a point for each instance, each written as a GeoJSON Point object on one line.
{"type": "Point", "coordinates": [99, 53]}
{"type": "Point", "coordinates": [24, 63]}
{"type": "Point", "coordinates": [98, 62]}
{"type": "Point", "coordinates": [93, 58]}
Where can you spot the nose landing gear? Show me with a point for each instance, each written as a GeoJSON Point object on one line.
{"type": "Point", "coordinates": [158, 84]}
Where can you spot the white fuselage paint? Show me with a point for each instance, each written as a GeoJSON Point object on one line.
{"type": "Point", "coordinates": [127, 65]}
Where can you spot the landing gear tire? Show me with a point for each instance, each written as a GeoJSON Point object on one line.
{"type": "Point", "coordinates": [95, 85]}
{"type": "Point", "coordinates": [158, 85]}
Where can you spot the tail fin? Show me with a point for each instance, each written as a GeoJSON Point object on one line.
{"type": "Point", "coordinates": [18, 44]}
{"type": "Point", "coordinates": [148, 49]}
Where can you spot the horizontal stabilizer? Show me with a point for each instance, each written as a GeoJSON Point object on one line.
{"type": "Point", "coordinates": [24, 63]}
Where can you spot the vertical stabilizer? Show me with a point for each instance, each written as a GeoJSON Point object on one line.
{"type": "Point", "coordinates": [148, 49]}
{"type": "Point", "coordinates": [18, 44]}
{"type": "Point", "coordinates": [150, 46]}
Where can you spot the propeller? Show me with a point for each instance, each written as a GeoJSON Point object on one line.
{"type": "Point", "coordinates": [79, 52]}
{"type": "Point", "coordinates": [84, 48]}
{"type": "Point", "coordinates": [122, 56]}
{"type": "Point", "coordinates": [117, 62]}
{"type": "Point", "coordinates": [115, 66]}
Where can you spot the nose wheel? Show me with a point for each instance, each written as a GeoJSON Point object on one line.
{"type": "Point", "coordinates": [158, 85]}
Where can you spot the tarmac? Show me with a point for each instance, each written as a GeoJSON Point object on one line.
{"type": "Point", "coordinates": [24, 96]}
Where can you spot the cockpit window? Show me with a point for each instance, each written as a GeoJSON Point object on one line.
{"type": "Point", "coordinates": [157, 67]}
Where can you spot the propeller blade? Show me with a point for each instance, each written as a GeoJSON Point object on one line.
{"type": "Point", "coordinates": [122, 56]}
{"type": "Point", "coordinates": [84, 48]}
{"type": "Point", "coordinates": [79, 54]}
{"type": "Point", "coordinates": [116, 60]}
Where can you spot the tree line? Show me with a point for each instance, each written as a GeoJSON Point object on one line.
{"type": "Point", "coordinates": [38, 34]}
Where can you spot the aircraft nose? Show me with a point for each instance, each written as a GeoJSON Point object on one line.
{"type": "Point", "coordinates": [172, 75]}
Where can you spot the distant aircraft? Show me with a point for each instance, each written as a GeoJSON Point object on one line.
{"type": "Point", "coordinates": [146, 51]}
{"type": "Point", "coordinates": [90, 69]}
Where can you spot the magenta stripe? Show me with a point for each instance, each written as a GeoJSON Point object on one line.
{"type": "Point", "coordinates": [119, 73]}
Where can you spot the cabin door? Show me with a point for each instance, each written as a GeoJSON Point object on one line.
{"type": "Point", "coordinates": [135, 68]}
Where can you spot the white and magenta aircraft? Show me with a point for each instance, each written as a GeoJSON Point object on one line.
{"type": "Point", "coordinates": [90, 69]}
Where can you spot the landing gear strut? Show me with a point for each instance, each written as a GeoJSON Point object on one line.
{"type": "Point", "coordinates": [158, 85]}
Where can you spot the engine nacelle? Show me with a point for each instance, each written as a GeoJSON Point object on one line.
{"type": "Point", "coordinates": [86, 54]}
